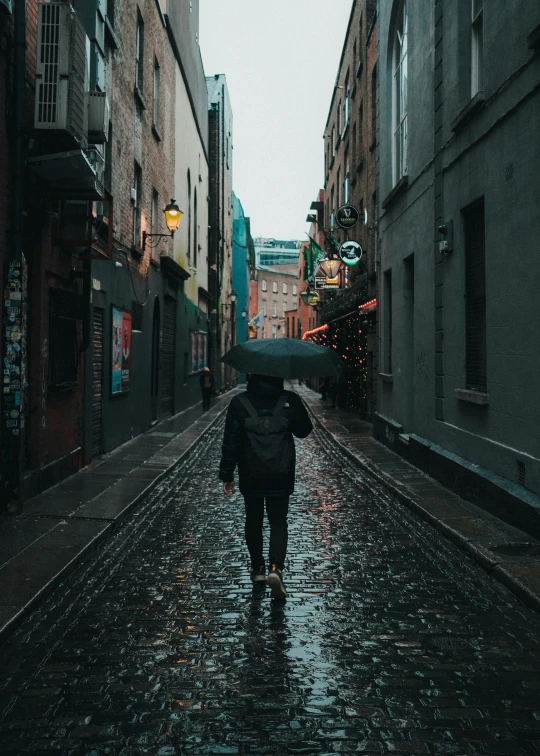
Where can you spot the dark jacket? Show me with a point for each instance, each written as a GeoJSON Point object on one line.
{"type": "Point", "coordinates": [263, 393]}
{"type": "Point", "coordinates": [201, 381]}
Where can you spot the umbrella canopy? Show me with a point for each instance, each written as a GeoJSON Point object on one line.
{"type": "Point", "coordinates": [283, 358]}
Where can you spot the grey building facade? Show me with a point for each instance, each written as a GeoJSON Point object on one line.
{"type": "Point", "coordinates": [458, 159]}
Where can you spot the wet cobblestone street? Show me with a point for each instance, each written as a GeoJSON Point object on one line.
{"type": "Point", "coordinates": [391, 640]}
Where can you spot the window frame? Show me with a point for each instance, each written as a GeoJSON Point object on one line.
{"type": "Point", "coordinates": [477, 46]}
{"type": "Point", "coordinates": [139, 53]}
{"type": "Point", "coordinates": [156, 102]}
{"type": "Point", "coordinates": [399, 72]}
{"type": "Point", "coordinates": [264, 285]}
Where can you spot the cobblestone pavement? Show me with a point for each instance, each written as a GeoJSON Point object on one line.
{"type": "Point", "coordinates": [391, 641]}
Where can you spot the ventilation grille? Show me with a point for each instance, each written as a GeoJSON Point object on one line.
{"type": "Point", "coordinates": [49, 45]}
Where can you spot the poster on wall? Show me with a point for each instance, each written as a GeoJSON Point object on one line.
{"type": "Point", "coordinates": [198, 351]}
{"type": "Point", "coordinates": [202, 351]}
{"type": "Point", "coordinates": [194, 352]}
{"type": "Point", "coordinates": [121, 351]}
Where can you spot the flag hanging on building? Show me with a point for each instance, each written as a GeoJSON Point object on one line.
{"type": "Point", "coordinates": [257, 321]}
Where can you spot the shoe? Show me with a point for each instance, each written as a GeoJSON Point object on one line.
{"type": "Point", "coordinates": [275, 582]}
{"type": "Point", "coordinates": [258, 575]}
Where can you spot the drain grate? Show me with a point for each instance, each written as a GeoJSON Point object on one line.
{"type": "Point", "coordinates": [518, 549]}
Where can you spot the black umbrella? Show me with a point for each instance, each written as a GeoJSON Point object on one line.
{"type": "Point", "coordinates": [283, 358]}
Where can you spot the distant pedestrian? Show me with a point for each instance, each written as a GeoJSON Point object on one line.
{"type": "Point", "coordinates": [207, 388]}
{"type": "Point", "coordinates": [259, 430]}
{"type": "Point", "coordinates": [333, 391]}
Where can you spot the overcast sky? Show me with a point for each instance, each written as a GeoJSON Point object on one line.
{"type": "Point", "coordinates": [281, 60]}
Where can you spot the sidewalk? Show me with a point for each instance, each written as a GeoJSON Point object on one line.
{"type": "Point", "coordinates": [62, 525]}
{"type": "Point", "coordinates": [59, 527]}
{"type": "Point", "coordinates": [508, 554]}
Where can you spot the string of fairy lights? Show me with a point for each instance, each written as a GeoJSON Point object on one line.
{"type": "Point", "coordinates": [348, 337]}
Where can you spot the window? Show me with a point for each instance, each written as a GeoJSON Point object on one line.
{"type": "Point", "coordinates": [154, 219]}
{"type": "Point", "coordinates": [477, 47]}
{"type": "Point", "coordinates": [284, 288]}
{"type": "Point", "coordinates": [346, 181]}
{"type": "Point", "coordinates": [274, 287]}
{"type": "Point", "coordinates": [155, 112]}
{"type": "Point", "coordinates": [64, 311]}
{"type": "Point", "coordinates": [284, 308]}
{"type": "Point", "coordinates": [338, 187]}
{"type": "Point", "coordinates": [294, 290]}
{"type": "Point", "coordinates": [139, 53]}
{"type": "Point", "coordinates": [189, 214]}
{"type": "Point", "coordinates": [195, 229]}
{"type": "Point", "coordinates": [263, 285]}
{"type": "Point", "coordinates": [475, 298]}
{"type": "Point", "coordinates": [333, 141]}
{"type": "Point", "coordinates": [137, 186]}
{"type": "Point", "coordinates": [274, 309]}
{"type": "Point", "coordinates": [274, 332]}
{"type": "Point", "coordinates": [399, 98]}
{"type": "Point", "coordinates": [387, 304]}
{"type": "Point", "coordinates": [339, 118]}
{"type": "Point", "coordinates": [346, 105]}
{"type": "Point", "coordinates": [264, 307]}
{"type": "Point", "coordinates": [373, 103]}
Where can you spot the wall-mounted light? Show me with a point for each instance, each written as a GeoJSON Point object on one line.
{"type": "Point", "coordinates": [173, 216]}
{"type": "Point", "coordinates": [232, 296]}
{"type": "Point", "coordinates": [331, 267]}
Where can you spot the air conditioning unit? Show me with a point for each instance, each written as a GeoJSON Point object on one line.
{"type": "Point", "coordinates": [98, 117]}
{"type": "Point", "coordinates": [61, 71]}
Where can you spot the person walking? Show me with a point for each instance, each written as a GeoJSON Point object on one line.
{"type": "Point", "coordinates": [207, 388]}
{"type": "Point", "coordinates": [258, 438]}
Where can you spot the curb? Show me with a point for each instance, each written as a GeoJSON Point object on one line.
{"type": "Point", "coordinates": [480, 555]}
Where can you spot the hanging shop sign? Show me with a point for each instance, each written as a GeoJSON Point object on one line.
{"type": "Point", "coordinates": [350, 252]}
{"type": "Point", "coordinates": [121, 351]}
{"type": "Point", "coordinates": [322, 282]}
{"type": "Point", "coordinates": [347, 216]}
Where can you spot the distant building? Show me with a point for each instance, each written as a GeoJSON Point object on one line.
{"type": "Point", "coordinates": [350, 178]}
{"type": "Point", "coordinates": [273, 252]}
{"type": "Point", "coordinates": [243, 265]}
{"type": "Point", "coordinates": [220, 235]}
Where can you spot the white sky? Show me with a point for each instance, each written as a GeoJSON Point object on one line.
{"type": "Point", "coordinates": [281, 60]}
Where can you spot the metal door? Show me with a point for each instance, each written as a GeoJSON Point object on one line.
{"type": "Point", "coordinates": [167, 356]}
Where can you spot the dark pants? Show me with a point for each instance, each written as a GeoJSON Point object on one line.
{"type": "Point", "coordinates": [206, 394]}
{"type": "Point", "coordinates": [276, 510]}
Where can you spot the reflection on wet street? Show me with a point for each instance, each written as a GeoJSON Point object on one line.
{"type": "Point", "coordinates": [391, 641]}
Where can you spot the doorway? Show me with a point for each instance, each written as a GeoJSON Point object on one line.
{"type": "Point", "coordinates": [154, 378]}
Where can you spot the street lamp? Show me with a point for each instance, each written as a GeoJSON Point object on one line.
{"type": "Point", "coordinates": [331, 267]}
{"type": "Point", "coordinates": [173, 216]}
{"type": "Point", "coordinates": [232, 296]}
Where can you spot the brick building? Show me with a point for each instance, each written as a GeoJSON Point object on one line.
{"type": "Point", "coordinates": [276, 293]}
{"type": "Point", "coordinates": [117, 313]}
{"type": "Point", "coordinates": [350, 178]}
{"type": "Point", "coordinates": [222, 308]}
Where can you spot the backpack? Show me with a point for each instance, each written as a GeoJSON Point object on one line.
{"type": "Point", "coordinates": [269, 448]}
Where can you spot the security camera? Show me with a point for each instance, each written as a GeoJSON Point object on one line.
{"type": "Point", "coordinates": [442, 230]}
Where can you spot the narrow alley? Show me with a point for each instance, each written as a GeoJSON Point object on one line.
{"type": "Point", "coordinates": [391, 640]}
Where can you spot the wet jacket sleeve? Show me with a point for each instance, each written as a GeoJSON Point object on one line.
{"type": "Point", "coordinates": [301, 425]}
{"type": "Point", "coordinates": [232, 442]}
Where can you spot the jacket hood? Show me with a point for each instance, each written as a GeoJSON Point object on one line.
{"type": "Point", "coordinates": [264, 384]}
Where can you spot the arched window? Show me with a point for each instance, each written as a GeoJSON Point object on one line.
{"type": "Point", "coordinates": [399, 96]}
{"type": "Point", "coordinates": [195, 228]}
{"type": "Point", "coordinates": [189, 213]}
